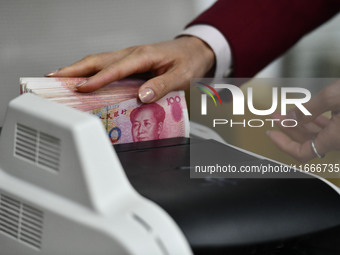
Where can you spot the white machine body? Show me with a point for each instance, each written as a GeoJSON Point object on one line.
{"type": "Point", "coordinates": [63, 189]}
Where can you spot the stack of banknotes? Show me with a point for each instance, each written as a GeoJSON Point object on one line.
{"type": "Point", "coordinates": [124, 117]}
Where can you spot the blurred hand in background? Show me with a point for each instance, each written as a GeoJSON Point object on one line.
{"type": "Point", "coordinates": [314, 135]}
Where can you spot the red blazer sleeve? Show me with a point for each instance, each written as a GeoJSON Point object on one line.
{"type": "Point", "coordinates": [258, 31]}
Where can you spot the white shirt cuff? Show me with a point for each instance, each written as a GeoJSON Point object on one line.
{"type": "Point", "coordinates": [217, 42]}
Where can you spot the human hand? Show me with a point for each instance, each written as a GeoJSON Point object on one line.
{"type": "Point", "coordinates": [173, 62]}
{"type": "Point", "coordinates": [316, 129]}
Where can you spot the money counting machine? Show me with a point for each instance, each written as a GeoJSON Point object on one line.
{"type": "Point", "coordinates": [65, 190]}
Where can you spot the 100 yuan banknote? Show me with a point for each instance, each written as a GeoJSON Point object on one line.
{"type": "Point", "coordinates": [63, 90]}
{"type": "Point", "coordinates": [132, 121]}
{"type": "Point", "coordinates": [124, 117]}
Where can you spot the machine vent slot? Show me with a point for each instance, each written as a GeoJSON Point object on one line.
{"type": "Point", "coordinates": [9, 216]}
{"type": "Point", "coordinates": [162, 246]}
{"type": "Point", "coordinates": [21, 221]}
{"type": "Point", "coordinates": [48, 151]}
{"type": "Point", "coordinates": [142, 222]}
{"type": "Point", "coordinates": [26, 142]}
{"type": "Point", "coordinates": [40, 148]}
{"type": "Point", "coordinates": [149, 229]}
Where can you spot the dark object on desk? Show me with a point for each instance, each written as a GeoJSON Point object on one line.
{"type": "Point", "coordinates": [250, 216]}
{"type": "Point", "coordinates": [240, 216]}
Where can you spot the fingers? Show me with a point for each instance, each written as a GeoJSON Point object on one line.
{"type": "Point", "coordinates": [89, 65]}
{"type": "Point", "coordinates": [301, 132]}
{"type": "Point", "coordinates": [300, 151]}
{"type": "Point", "coordinates": [327, 99]}
{"type": "Point", "coordinates": [326, 140]}
{"type": "Point", "coordinates": [322, 121]}
{"type": "Point", "coordinates": [174, 62]}
{"type": "Point", "coordinates": [297, 141]}
{"type": "Point", "coordinates": [315, 106]}
{"type": "Point", "coordinates": [116, 71]}
{"type": "Point", "coordinates": [156, 88]}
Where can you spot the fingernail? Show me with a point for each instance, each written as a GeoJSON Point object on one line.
{"type": "Point", "coordinates": [267, 132]}
{"type": "Point", "coordinates": [52, 73]}
{"type": "Point", "coordinates": [81, 83]}
{"type": "Point", "coordinates": [146, 95]}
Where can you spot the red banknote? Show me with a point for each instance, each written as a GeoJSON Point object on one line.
{"type": "Point", "coordinates": [124, 117]}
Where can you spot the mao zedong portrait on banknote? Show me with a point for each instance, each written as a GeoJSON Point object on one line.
{"type": "Point", "coordinates": [147, 122]}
